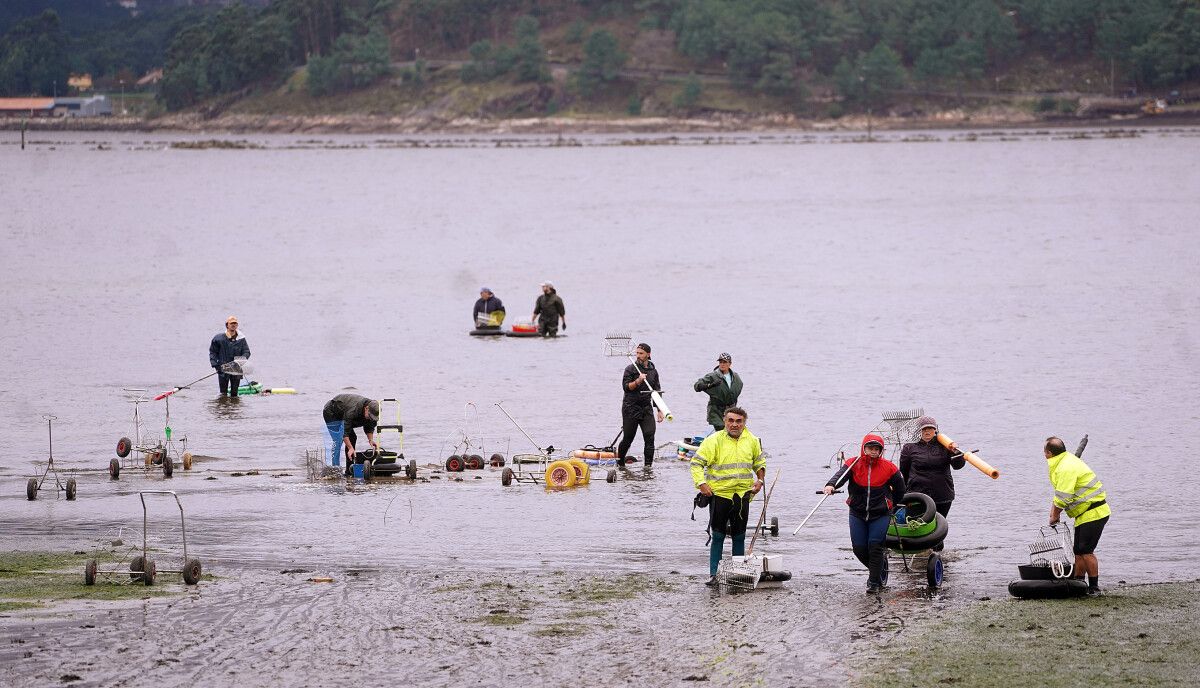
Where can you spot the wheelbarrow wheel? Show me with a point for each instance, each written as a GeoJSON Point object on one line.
{"type": "Point", "coordinates": [31, 489]}
{"type": "Point", "coordinates": [775, 526]}
{"type": "Point", "coordinates": [934, 570]}
{"type": "Point", "coordinates": [454, 464]}
{"type": "Point", "coordinates": [191, 572]}
{"type": "Point", "coordinates": [884, 570]}
{"type": "Point", "coordinates": [473, 462]}
{"type": "Point", "coordinates": [506, 477]}
{"type": "Point", "coordinates": [71, 488]}
{"type": "Point", "coordinates": [368, 470]}
{"type": "Point", "coordinates": [89, 572]}
{"type": "Point", "coordinates": [497, 461]}
{"type": "Point", "coordinates": [411, 469]}
{"type": "Point", "coordinates": [187, 461]}
{"type": "Point", "coordinates": [124, 446]}
{"type": "Point", "coordinates": [150, 573]}
{"type": "Point", "coordinates": [114, 469]}
{"type": "Point", "coordinates": [611, 477]}
{"type": "Point", "coordinates": [135, 568]}
{"type": "Point", "coordinates": [560, 475]}
{"type": "Point", "coordinates": [168, 466]}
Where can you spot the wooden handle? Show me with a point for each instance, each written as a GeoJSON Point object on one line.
{"type": "Point", "coordinates": [983, 466]}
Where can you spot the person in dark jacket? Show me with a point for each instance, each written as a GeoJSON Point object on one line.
{"type": "Point", "coordinates": [342, 414]}
{"type": "Point", "coordinates": [926, 464]}
{"type": "Point", "coordinates": [548, 310]}
{"type": "Point", "coordinates": [224, 348]}
{"type": "Point", "coordinates": [637, 409]}
{"type": "Point", "coordinates": [489, 311]}
{"type": "Point", "coordinates": [723, 387]}
{"type": "Point", "coordinates": [874, 486]}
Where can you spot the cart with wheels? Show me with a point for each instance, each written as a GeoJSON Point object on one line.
{"type": "Point", "coordinates": [467, 451]}
{"type": "Point", "coordinates": [142, 568]}
{"type": "Point", "coordinates": [388, 460]}
{"type": "Point", "coordinates": [915, 532]}
{"type": "Point", "coordinates": [146, 454]}
{"type": "Point", "coordinates": [38, 483]}
{"type": "Point", "coordinates": [541, 468]}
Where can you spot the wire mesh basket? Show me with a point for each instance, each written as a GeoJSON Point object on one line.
{"type": "Point", "coordinates": [1054, 548]}
{"type": "Point", "coordinates": [618, 344]}
{"type": "Point", "coordinates": [739, 573]}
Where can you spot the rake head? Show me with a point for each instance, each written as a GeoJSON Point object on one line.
{"type": "Point", "coordinates": [618, 344]}
{"type": "Point", "coordinates": [901, 417]}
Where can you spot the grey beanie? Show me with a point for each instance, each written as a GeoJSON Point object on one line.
{"type": "Point", "coordinates": [926, 422]}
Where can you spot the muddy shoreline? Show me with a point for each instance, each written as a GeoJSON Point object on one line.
{"type": "Point", "coordinates": [375, 124]}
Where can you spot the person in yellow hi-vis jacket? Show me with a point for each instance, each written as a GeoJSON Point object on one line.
{"type": "Point", "coordinates": [1079, 492]}
{"type": "Point", "coordinates": [729, 469]}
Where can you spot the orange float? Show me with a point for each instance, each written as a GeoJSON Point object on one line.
{"type": "Point", "coordinates": [972, 459]}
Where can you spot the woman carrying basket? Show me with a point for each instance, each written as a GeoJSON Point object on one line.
{"type": "Point", "coordinates": [874, 485]}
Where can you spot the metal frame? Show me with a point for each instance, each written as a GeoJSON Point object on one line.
{"type": "Point", "coordinates": [36, 483]}
{"type": "Point", "coordinates": [141, 446]}
{"type": "Point", "coordinates": [148, 570]}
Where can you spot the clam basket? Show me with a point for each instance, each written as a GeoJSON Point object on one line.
{"type": "Point", "coordinates": [1050, 555]}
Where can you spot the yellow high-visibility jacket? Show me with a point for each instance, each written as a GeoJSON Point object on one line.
{"type": "Point", "coordinates": [1077, 489]}
{"type": "Point", "coordinates": [728, 465]}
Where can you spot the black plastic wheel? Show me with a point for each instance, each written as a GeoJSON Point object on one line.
{"type": "Point", "coordinates": [454, 464]}
{"type": "Point", "coordinates": [89, 572]}
{"type": "Point", "coordinates": [72, 486]}
{"type": "Point", "coordinates": [775, 526]}
{"type": "Point", "coordinates": [411, 469]}
{"type": "Point", "coordinates": [473, 462]}
{"type": "Point", "coordinates": [114, 469]}
{"type": "Point", "coordinates": [31, 489]}
{"type": "Point", "coordinates": [497, 461]}
{"type": "Point", "coordinates": [168, 466]}
{"type": "Point", "coordinates": [506, 477]}
{"type": "Point", "coordinates": [368, 470]}
{"type": "Point", "coordinates": [192, 571]}
{"type": "Point", "coordinates": [150, 573]}
{"type": "Point", "coordinates": [124, 446]}
{"type": "Point", "coordinates": [611, 476]}
{"type": "Point", "coordinates": [933, 571]}
{"type": "Point", "coordinates": [884, 570]}
{"type": "Point", "coordinates": [135, 568]}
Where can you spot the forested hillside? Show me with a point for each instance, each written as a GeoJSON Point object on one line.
{"type": "Point", "coordinates": [782, 55]}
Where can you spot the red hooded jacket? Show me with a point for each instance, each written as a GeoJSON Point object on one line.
{"type": "Point", "coordinates": [874, 484]}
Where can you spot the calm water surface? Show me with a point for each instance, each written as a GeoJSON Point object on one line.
{"type": "Point", "coordinates": [1015, 287]}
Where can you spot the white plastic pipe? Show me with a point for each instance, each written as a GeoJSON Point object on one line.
{"type": "Point", "coordinates": [655, 397]}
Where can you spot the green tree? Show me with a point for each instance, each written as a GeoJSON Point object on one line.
{"type": "Point", "coordinates": [872, 79]}
{"type": "Point", "coordinates": [602, 62]}
{"type": "Point", "coordinates": [689, 95]}
{"type": "Point", "coordinates": [778, 75]}
{"type": "Point", "coordinates": [33, 57]}
{"type": "Point", "coordinates": [355, 62]}
{"type": "Point", "coordinates": [531, 57]}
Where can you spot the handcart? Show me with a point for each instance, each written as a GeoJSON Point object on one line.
{"type": "Point", "coordinates": [142, 568]}
{"type": "Point", "coordinates": [467, 449]}
{"type": "Point", "coordinates": [915, 532]}
{"type": "Point", "coordinates": [542, 469]}
{"type": "Point", "coordinates": [1050, 573]}
{"type": "Point", "coordinates": [145, 453]}
{"type": "Point", "coordinates": [36, 484]}
{"type": "Point", "coordinates": [753, 569]}
{"type": "Point", "coordinates": [388, 460]}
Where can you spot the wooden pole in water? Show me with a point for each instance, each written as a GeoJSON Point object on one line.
{"type": "Point", "coordinates": [24, 123]}
{"type": "Point", "coordinates": [974, 460]}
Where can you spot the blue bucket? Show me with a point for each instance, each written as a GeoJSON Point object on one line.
{"type": "Point", "coordinates": [358, 471]}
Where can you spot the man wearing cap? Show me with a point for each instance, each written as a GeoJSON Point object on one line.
{"type": "Point", "coordinates": [723, 387]}
{"type": "Point", "coordinates": [225, 347]}
{"type": "Point", "coordinates": [342, 414]}
{"type": "Point", "coordinates": [637, 408]}
{"type": "Point", "coordinates": [489, 311]}
{"type": "Point", "coordinates": [548, 310]}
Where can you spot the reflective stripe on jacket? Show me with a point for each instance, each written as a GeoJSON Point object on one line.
{"type": "Point", "coordinates": [729, 466]}
{"type": "Point", "coordinates": [1077, 489]}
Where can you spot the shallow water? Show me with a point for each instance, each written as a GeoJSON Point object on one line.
{"type": "Point", "coordinates": [1015, 286]}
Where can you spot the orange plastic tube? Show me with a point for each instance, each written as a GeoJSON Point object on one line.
{"type": "Point", "coordinates": [972, 459]}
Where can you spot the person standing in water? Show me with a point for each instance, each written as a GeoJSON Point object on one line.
{"type": "Point", "coordinates": [729, 469]}
{"type": "Point", "coordinates": [224, 348]}
{"type": "Point", "coordinates": [489, 310]}
{"type": "Point", "coordinates": [873, 485]}
{"type": "Point", "coordinates": [926, 465]}
{"type": "Point", "coordinates": [637, 408]}
{"type": "Point", "coordinates": [548, 310]}
{"type": "Point", "coordinates": [723, 387]}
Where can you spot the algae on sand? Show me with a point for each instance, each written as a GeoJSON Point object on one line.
{"type": "Point", "coordinates": [32, 579]}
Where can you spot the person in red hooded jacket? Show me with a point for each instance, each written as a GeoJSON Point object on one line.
{"type": "Point", "coordinates": [873, 485]}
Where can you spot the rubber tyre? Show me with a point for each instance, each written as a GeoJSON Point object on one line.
{"type": "Point", "coordinates": [474, 462]}
{"type": "Point", "coordinates": [934, 571]}
{"type": "Point", "coordinates": [506, 477]}
{"type": "Point", "coordinates": [774, 576]}
{"type": "Point", "coordinates": [560, 474]}
{"type": "Point", "coordinates": [583, 472]}
{"type": "Point", "coordinates": [168, 466]}
{"type": "Point", "coordinates": [454, 464]}
{"type": "Point", "coordinates": [921, 500]}
{"type": "Point", "coordinates": [1058, 589]}
{"type": "Point", "coordinates": [186, 459]}
{"type": "Point", "coordinates": [911, 533]}
{"type": "Point", "coordinates": [368, 470]}
{"type": "Point", "coordinates": [114, 469]}
{"type": "Point", "coordinates": [925, 542]}
{"type": "Point", "coordinates": [497, 461]}
{"type": "Point", "coordinates": [89, 572]}
{"type": "Point", "coordinates": [135, 568]}
{"type": "Point", "coordinates": [31, 489]}
{"type": "Point", "coordinates": [192, 571]}
{"type": "Point", "coordinates": [885, 571]}
{"type": "Point", "coordinates": [150, 573]}
{"type": "Point", "coordinates": [124, 446]}
{"type": "Point", "coordinates": [775, 528]}
{"type": "Point", "coordinates": [72, 488]}
{"type": "Point", "coordinates": [611, 477]}
{"type": "Point", "coordinates": [411, 469]}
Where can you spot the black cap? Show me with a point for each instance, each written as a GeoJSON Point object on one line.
{"type": "Point", "coordinates": [644, 347]}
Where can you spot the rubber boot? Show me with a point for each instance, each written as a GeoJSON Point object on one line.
{"type": "Point", "coordinates": [739, 545]}
{"type": "Point", "coordinates": [714, 552]}
{"type": "Point", "coordinates": [861, 554]}
{"type": "Point", "coordinates": [875, 565]}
